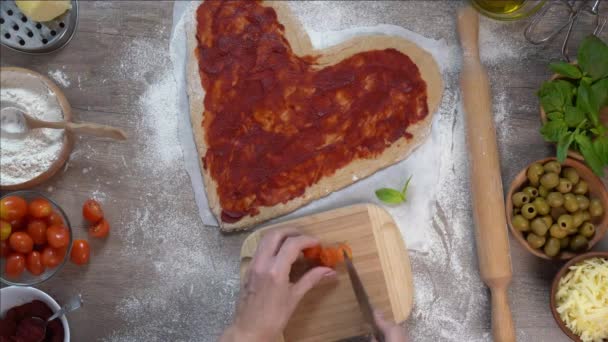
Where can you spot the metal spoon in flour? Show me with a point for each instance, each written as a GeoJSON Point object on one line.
{"type": "Point", "coordinates": [15, 122]}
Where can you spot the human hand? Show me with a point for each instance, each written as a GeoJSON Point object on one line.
{"type": "Point", "coordinates": [392, 332]}
{"type": "Point", "coordinates": [268, 299]}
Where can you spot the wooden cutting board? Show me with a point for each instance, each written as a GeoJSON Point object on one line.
{"type": "Point", "coordinates": [330, 311]}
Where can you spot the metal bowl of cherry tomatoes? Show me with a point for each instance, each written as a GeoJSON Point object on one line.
{"type": "Point", "coordinates": [35, 238]}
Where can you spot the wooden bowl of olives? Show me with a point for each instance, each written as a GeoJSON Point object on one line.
{"type": "Point", "coordinates": [557, 211]}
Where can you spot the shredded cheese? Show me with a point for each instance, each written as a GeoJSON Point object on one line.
{"type": "Point", "coordinates": [582, 299]}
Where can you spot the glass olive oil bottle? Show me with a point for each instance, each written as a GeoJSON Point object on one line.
{"type": "Point", "coordinates": [499, 6]}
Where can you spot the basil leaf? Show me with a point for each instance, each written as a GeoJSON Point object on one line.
{"type": "Point", "coordinates": [600, 145]}
{"type": "Point", "coordinates": [587, 103]}
{"type": "Point", "coordinates": [554, 116]}
{"type": "Point", "coordinates": [593, 57]}
{"type": "Point", "coordinates": [566, 69]}
{"type": "Point", "coordinates": [592, 159]}
{"type": "Point", "coordinates": [552, 131]}
{"type": "Point", "coordinates": [563, 145]}
{"type": "Point", "coordinates": [573, 116]}
{"type": "Point", "coordinates": [390, 196]}
{"type": "Point", "coordinates": [554, 95]}
{"type": "Point", "coordinates": [599, 91]}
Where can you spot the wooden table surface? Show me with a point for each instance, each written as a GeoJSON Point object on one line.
{"type": "Point", "coordinates": [163, 276]}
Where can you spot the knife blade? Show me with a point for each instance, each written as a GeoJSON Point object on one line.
{"type": "Point", "coordinates": [362, 298]}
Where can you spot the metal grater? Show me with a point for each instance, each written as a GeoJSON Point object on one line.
{"type": "Point", "coordinates": [21, 34]}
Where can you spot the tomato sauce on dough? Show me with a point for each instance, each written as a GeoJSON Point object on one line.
{"type": "Point", "coordinates": [276, 123]}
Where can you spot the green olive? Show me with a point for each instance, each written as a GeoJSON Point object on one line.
{"type": "Point", "coordinates": [557, 212]}
{"type": "Point", "coordinates": [570, 203]}
{"type": "Point", "coordinates": [531, 191]}
{"type": "Point", "coordinates": [548, 220]}
{"type": "Point", "coordinates": [587, 230]}
{"type": "Point", "coordinates": [549, 180]}
{"type": "Point", "coordinates": [535, 241]}
{"type": "Point", "coordinates": [586, 215]}
{"type": "Point", "coordinates": [542, 208]}
{"type": "Point", "coordinates": [520, 223]}
{"type": "Point", "coordinates": [553, 166]}
{"type": "Point", "coordinates": [565, 221]}
{"type": "Point", "coordinates": [564, 186]}
{"type": "Point", "coordinates": [578, 218]}
{"type": "Point", "coordinates": [595, 208]}
{"type": "Point", "coordinates": [534, 172]}
{"type": "Point", "coordinates": [528, 211]}
{"type": "Point", "coordinates": [516, 211]}
{"type": "Point", "coordinates": [542, 191]}
{"type": "Point", "coordinates": [581, 188]}
{"type": "Point", "coordinates": [583, 202]}
{"type": "Point", "coordinates": [555, 199]}
{"type": "Point", "coordinates": [552, 247]}
{"type": "Point", "coordinates": [564, 242]}
{"type": "Point", "coordinates": [557, 232]}
{"type": "Point", "coordinates": [520, 198]}
{"type": "Point", "coordinates": [571, 174]}
{"type": "Point", "coordinates": [539, 227]}
{"type": "Point", "coordinates": [578, 243]}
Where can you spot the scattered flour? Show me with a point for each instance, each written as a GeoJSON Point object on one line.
{"type": "Point", "coordinates": [24, 157]}
{"type": "Point", "coordinates": [61, 78]}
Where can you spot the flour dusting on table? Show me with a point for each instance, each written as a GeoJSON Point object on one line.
{"type": "Point", "coordinates": [60, 77]}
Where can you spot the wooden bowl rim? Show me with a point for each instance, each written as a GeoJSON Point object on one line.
{"type": "Point", "coordinates": [560, 274]}
{"type": "Point", "coordinates": [68, 138]}
{"type": "Point", "coordinates": [600, 192]}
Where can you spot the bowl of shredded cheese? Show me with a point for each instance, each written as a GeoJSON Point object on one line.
{"type": "Point", "coordinates": [579, 297]}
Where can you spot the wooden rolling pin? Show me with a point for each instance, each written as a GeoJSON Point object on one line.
{"type": "Point", "coordinates": [486, 184]}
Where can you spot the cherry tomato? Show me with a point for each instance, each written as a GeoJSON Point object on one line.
{"type": "Point", "coordinates": [15, 264]}
{"type": "Point", "coordinates": [329, 257]}
{"type": "Point", "coordinates": [39, 208]}
{"type": "Point", "coordinates": [5, 249]}
{"type": "Point", "coordinates": [312, 253]}
{"type": "Point", "coordinates": [36, 229]}
{"type": "Point", "coordinates": [18, 224]}
{"type": "Point", "coordinates": [100, 230]}
{"type": "Point", "coordinates": [5, 230]}
{"type": "Point", "coordinates": [57, 236]}
{"type": "Point", "coordinates": [33, 263]}
{"type": "Point", "coordinates": [91, 210]}
{"type": "Point", "coordinates": [55, 219]}
{"type": "Point", "coordinates": [344, 248]}
{"type": "Point", "coordinates": [80, 252]}
{"type": "Point", "coordinates": [51, 257]}
{"type": "Point", "coordinates": [12, 207]}
{"type": "Point", "coordinates": [21, 242]}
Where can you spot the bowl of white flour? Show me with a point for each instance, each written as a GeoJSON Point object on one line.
{"type": "Point", "coordinates": [29, 159]}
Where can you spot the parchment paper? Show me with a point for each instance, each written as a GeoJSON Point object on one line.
{"type": "Point", "coordinates": [413, 217]}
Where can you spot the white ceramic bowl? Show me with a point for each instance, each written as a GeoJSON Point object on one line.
{"type": "Point", "coordinates": [18, 295]}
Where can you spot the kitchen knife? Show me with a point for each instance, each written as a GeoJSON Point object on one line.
{"type": "Point", "coordinates": [362, 299]}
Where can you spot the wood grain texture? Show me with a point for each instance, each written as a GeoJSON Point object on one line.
{"type": "Point", "coordinates": [106, 33]}
{"type": "Point", "coordinates": [491, 238]}
{"type": "Point", "coordinates": [330, 311]}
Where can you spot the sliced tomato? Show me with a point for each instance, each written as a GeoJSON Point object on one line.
{"type": "Point", "coordinates": [312, 253]}
{"type": "Point", "coordinates": [100, 230]}
{"type": "Point", "coordinates": [33, 263]}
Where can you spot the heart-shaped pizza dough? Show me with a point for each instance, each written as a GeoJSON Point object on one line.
{"type": "Point", "coordinates": [278, 124]}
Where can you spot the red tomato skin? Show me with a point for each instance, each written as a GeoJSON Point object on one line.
{"type": "Point", "coordinates": [100, 230]}
{"type": "Point", "coordinates": [81, 252]}
{"type": "Point", "coordinates": [15, 264]}
{"type": "Point", "coordinates": [18, 224]}
{"type": "Point", "coordinates": [92, 211]}
{"type": "Point", "coordinates": [55, 219]}
{"type": "Point", "coordinates": [33, 263]}
{"type": "Point", "coordinates": [51, 257]}
{"type": "Point", "coordinates": [40, 208]}
{"type": "Point", "coordinates": [5, 249]}
{"type": "Point", "coordinates": [36, 229]}
{"type": "Point", "coordinates": [21, 242]}
{"type": "Point", "coordinates": [12, 207]}
{"type": "Point", "coordinates": [58, 236]}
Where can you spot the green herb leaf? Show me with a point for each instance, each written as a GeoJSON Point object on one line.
{"type": "Point", "coordinates": [587, 103]}
{"type": "Point", "coordinates": [593, 57]}
{"type": "Point", "coordinates": [566, 69]}
{"type": "Point", "coordinates": [552, 131]}
{"type": "Point", "coordinates": [600, 145]}
{"type": "Point", "coordinates": [563, 145]}
{"type": "Point", "coordinates": [588, 151]}
{"type": "Point", "coordinates": [599, 91]}
{"type": "Point", "coordinates": [390, 196]}
{"type": "Point", "coordinates": [573, 116]}
{"type": "Point", "coordinates": [555, 116]}
{"type": "Point", "coordinates": [554, 95]}
{"type": "Point", "coordinates": [407, 185]}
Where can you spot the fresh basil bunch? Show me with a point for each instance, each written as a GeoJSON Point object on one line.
{"type": "Point", "coordinates": [573, 103]}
